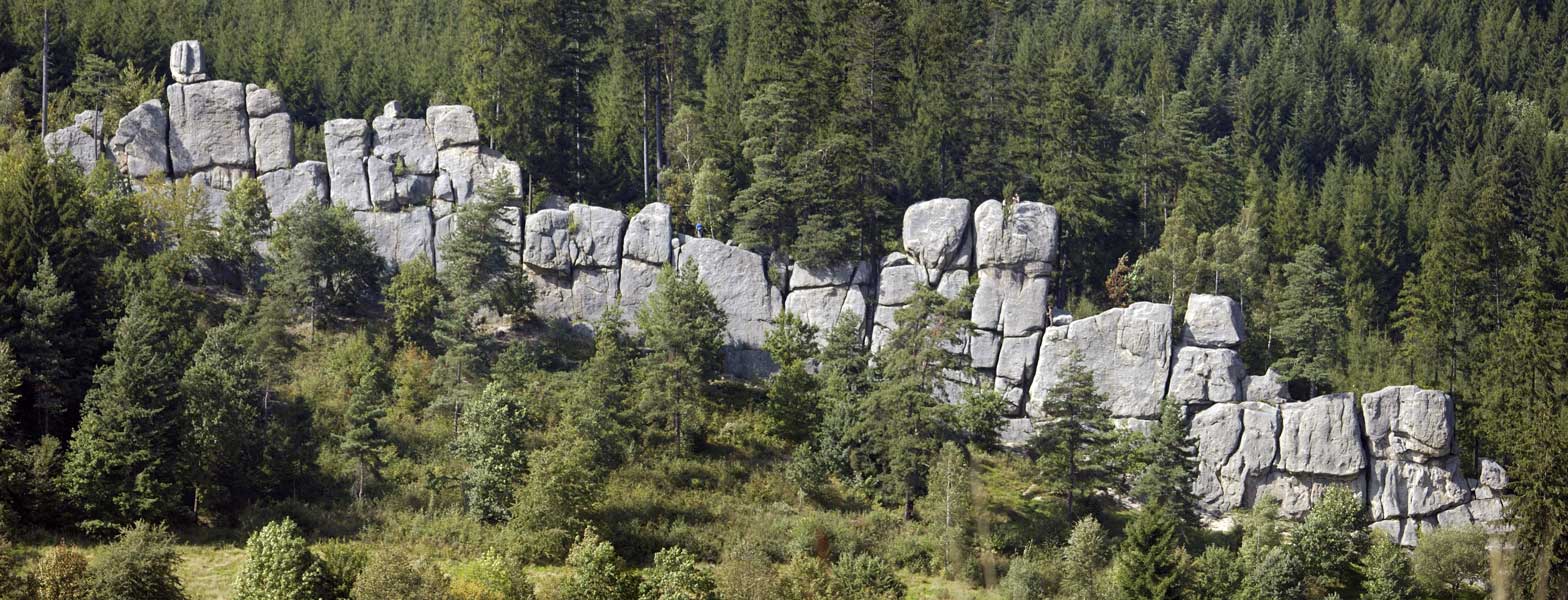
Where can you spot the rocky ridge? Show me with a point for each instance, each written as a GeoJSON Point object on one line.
{"type": "Point", "coordinates": [403, 177]}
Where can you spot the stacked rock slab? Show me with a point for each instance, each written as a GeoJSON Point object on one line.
{"type": "Point", "coordinates": [646, 249]}
{"type": "Point", "coordinates": [1015, 246]}
{"type": "Point", "coordinates": [82, 142]}
{"type": "Point", "coordinates": [574, 260]}
{"type": "Point", "coordinates": [1128, 350]}
{"type": "Point", "coordinates": [822, 296]}
{"type": "Point", "coordinates": [1208, 369]}
{"type": "Point", "coordinates": [938, 253]}
{"type": "Point", "coordinates": [1415, 477]}
{"type": "Point", "coordinates": [739, 282]}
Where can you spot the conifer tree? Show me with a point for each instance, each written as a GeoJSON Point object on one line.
{"type": "Point", "coordinates": [44, 339]}
{"type": "Point", "coordinates": [1169, 464]}
{"type": "Point", "coordinates": [10, 384]}
{"type": "Point", "coordinates": [323, 264]}
{"type": "Point", "coordinates": [683, 328]}
{"type": "Point", "coordinates": [279, 566]}
{"type": "Point", "coordinates": [1150, 564]}
{"type": "Point", "coordinates": [1311, 319]}
{"type": "Point", "coordinates": [221, 418]}
{"type": "Point", "coordinates": [1075, 437]}
{"type": "Point", "coordinates": [413, 297]}
{"type": "Point", "coordinates": [1330, 543]}
{"type": "Point", "coordinates": [792, 392]}
{"type": "Point", "coordinates": [364, 441]}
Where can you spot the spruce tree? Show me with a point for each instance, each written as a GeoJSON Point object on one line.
{"type": "Point", "coordinates": [413, 297]}
{"type": "Point", "coordinates": [221, 417]}
{"type": "Point", "coordinates": [1075, 436]}
{"type": "Point", "coordinates": [683, 329]}
{"type": "Point", "coordinates": [1150, 565]}
{"type": "Point", "coordinates": [792, 392]}
{"type": "Point", "coordinates": [364, 441]}
{"type": "Point", "coordinates": [1311, 321]}
{"type": "Point", "coordinates": [1169, 465]}
{"type": "Point", "coordinates": [45, 337]}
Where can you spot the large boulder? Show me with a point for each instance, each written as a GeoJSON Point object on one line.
{"type": "Point", "coordinates": [1016, 360]}
{"type": "Point", "coordinates": [1021, 235]}
{"type": "Point", "coordinates": [596, 235]}
{"type": "Point", "coordinates": [1236, 446]}
{"type": "Point", "coordinates": [738, 280]}
{"type": "Point", "coordinates": [648, 235]}
{"type": "Point", "coordinates": [937, 236]}
{"type": "Point", "coordinates": [637, 282]}
{"type": "Point", "coordinates": [400, 237]}
{"type": "Point", "coordinates": [272, 142]}
{"type": "Point", "coordinates": [593, 292]}
{"type": "Point", "coordinates": [208, 126]}
{"type": "Point", "coordinates": [141, 144]}
{"type": "Point", "coordinates": [404, 141]}
{"type": "Point", "coordinates": [1128, 350]}
{"type": "Point", "coordinates": [1322, 436]}
{"type": "Point", "coordinates": [262, 102]}
{"type": "Point", "coordinates": [1011, 301]}
{"type": "Point", "coordinates": [898, 281]}
{"type": "Point", "coordinates": [187, 64]}
{"type": "Point", "coordinates": [288, 188]}
{"type": "Point", "coordinates": [452, 125]}
{"type": "Point", "coordinates": [823, 307]}
{"type": "Point", "coordinates": [470, 168]}
{"type": "Point", "coordinates": [1213, 322]}
{"type": "Point", "coordinates": [381, 183]}
{"type": "Point", "coordinates": [80, 142]}
{"type": "Point", "coordinates": [1406, 489]}
{"type": "Point", "coordinates": [1408, 422]}
{"type": "Point", "coordinates": [1269, 387]}
{"type": "Point", "coordinates": [1207, 375]}
{"type": "Point", "coordinates": [547, 241]}
{"type": "Point", "coordinates": [347, 145]}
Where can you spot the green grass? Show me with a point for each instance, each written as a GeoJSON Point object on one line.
{"type": "Point", "coordinates": [208, 571]}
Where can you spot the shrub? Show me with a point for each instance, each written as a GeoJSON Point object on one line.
{"type": "Point", "coordinates": [864, 577]}
{"type": "Point", "coordinates": [60, 574]}
{"type": "Point", "coordinates": [278, 566]}
{"type": "Point", "coordinates": [675, 576]}
{"type": "Point", "coordinates": [1030, 576]}
{"type": "Point", "coordinates": [394, 574]}
{"type": "Point", "coordinates": [490, 577]}
{"type": "Point", "coordinates": [342, 562]}
{"type": "Point", "coordinates": [13, 586]}
{"type": "Point", "coordinates": [596, 571]}
{"type": "Point", "coordinates": [138, 566]}
{"type": "Point", "coordinates": [1448, 562]}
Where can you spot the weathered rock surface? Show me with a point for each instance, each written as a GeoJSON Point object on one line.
{"type": "Point", "coordinates": [1236, 447]}
{"type": "Point", "coordinates": [648, 235]}
{"type": "Point", "coordinates": [739, 283]}
{"type": "Point", "coordinates": [404, 141]}
{"type": "Point", "coordinates": [382, 185]}
{"type": "Point", "coordinates": [141, 144]}
{"type": "Point", "coordinates": [208, 126]}
{"type": "Point", "coordinates": [546, 241]}
{"type": "Point", "coordinates": [595, 235]}
{"type": "Point", "coordinates": [262, 102]}
{"type": "Point", "coordinates": [1207, 375]}
{"type": "Point", "coordinates": [1322, 436]}
{"type": "Point", "coordinates": [899, 280]}
{"type": "Point", "coordinates": [937, 236]}
{"type": "Point", "coordinates": [985, 347]}
{"type": "Point", "coordinates": [1407, 489]}
{"type": "Point", "coordinates": [187, 63]}
{"type": "Point", "coordinates": [1011, 301]}
{"type": "Point", "coordinates": [1297, 492]}
{"type": "Point", "coordinates": [1127, 349]}
{"type": "Point", "coordinates": [289, 188]}
{"type": "Point", "coordinates": [638, 281]}
{"type": "Point", "coordinates": [1408, 422]}
{"type": "Point", "coordinates": [272, 142]}
{"type": "Point", "coordinates": [593, 291]}
{"type": "Point", "coordinates": [1213, 322]}
{"type": "Point", "coordinates": [1021, 235]}
{"type": "Point", "coordinates": [399, 236]}
{"type": "Point", "coordinates": [452, 125]}
{"type": "Point", "coordinates": [80, 142]}
{"type": "Point", "coordinates": [347, 146]}
{"type": "Point", "coordinates": [1016, 362]}
{"type": "Point", "coordinates": [1268, 387]}
{"type": "Point", "coordinates": [469, 168]}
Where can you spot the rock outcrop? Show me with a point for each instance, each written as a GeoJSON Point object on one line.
{"type": "Point", "coordinates": [1128, 350]}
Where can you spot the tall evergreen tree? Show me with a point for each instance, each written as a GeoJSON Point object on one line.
{"type": "Point", "coordinates": [1169, 464]}
{"type": "Point", "coordinates": [1311, 323]}
{"type": "Point", "coordinates": [44, 339]}
{"type": "Point", "coordinates": [1150, 564]}
{"type": "Point", "coordinates": [221, 418]}
{"type": "Point", "coordinates": [364, 441]}
{"type": "Point", "coordinates": [683, 328]}
{"type": "Point", "coordinates": [1074, 441]}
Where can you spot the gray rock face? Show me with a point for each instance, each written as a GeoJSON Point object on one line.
{"type": "Point", "coordinates": [141, 144]}
{"type": "Point", "coordinates": [452, 125]}
{"type": "Point", "coordinates": [985, 347]}
{"type": "Point", "coordinates": [1407, 489]}
{"type": "Point", "coordinates": [1268, 387]}
{"type": "Point", "coordinates": [823, 307]}
{"type": "Point", "coordinates": [1213, 322]}
{"type": "Point", "coordinates": [208, 126]}
{"type": "Point", "coordinates": [937, 237]}
{"type": "Point", "coordinates": [593, 292]}
{"type": "Point", "coordinates": [648, 235]}
{"type": "Point", "coordinates": [595, 235]}
{"type": "Point", "coordinates": [262, 102]}
{"type": "Point", "coordinates": [289, 188]}
{"type": "Point", "coordinates": [405, 141]}
{"type": "Point", "coordinates": [1236, 447]}
{"type": "Point", "coordinates": [272, 142]}
{"type": "Point", "coordinates": [79, 142]}
{"type": "Point", "coordinates": [1322, 436]}
{"type": "Point", "coordinates": [414, 190]}
{"type": "Point", "coordinates": [1298, 492]}
{"type": "Point", "coordinates": [1015, 236]}
{"type": "Point", "coordinates": [1016, 362]}
{"type": "Point", "coordinates": [469, 168]}
{"type": "Point", "coordinates": [399, 236]}
{"type": "Point", "coordinates": [382, 185]}
{"type": "Point", "coordinates": [546, 241]}
{"type": "Point", "coordinates": [215, 183]}
{"type": "Point", "coordinates": [738, 280]}
{"type": "Point", "coordinates": [1408, 422]}
{"type": "Point", "coordinates": [1011, 301]}
{"type": "Point", "coordinates": [952, 283]}
{"type": "Point", "coordinates": [638, 281]}
{"type": "Point", "coordinates": [1493, 475]}
{"type": "Point", "coordinates": [1017, 432]}
{"type": "Point", "coordinates": [347, 146]}
{"type": "Point", "coordinates": [187, 63]}
{"type": "Point", "coordinates": [898, 281]}
{"type": "Point", "coordinates": [1207, 375]}
{"type": "Point", "coordinates": [1127, 349]}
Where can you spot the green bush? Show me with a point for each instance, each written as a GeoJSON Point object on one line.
{"type": "Point", "coordinates": [60, 574]}
{"type": "Point", "coordinates": [1030, 576]}
{"type": "Point", "coordinates": [394, 575]}
{"type": "Point", "coordinates": [137, 566]}
{"type": "Point", "coordinates": [1448, 562]}
{"type": "Point", "coordinates": [279, 566]}
{"type": "Point", "coordinates": [675, 576]}
{"type": "Point", "coordinates": [597, 573]}
{"type": "Point", "coordinates": [865, 577]}
{"type": "Point", "coordinates": [490, 577]}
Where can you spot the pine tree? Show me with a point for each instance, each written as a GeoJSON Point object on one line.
{"type": "Point", "coordinates": [792, 392]}
{"type": "Point", "coordinates": [1385, 571]}
{"type": "Point", "coordinates": [363, 442]}
{"type": "Point", "coordinates": [1311, 323]}
{"type": "Point", "coordinates": [1150, 564]}
{"type": "Point", "coordinates": [221, 418]}
{"type": "Point", "coordinates": [413, 297]}
{"type": "Point", "coordinates": [1169, 464]}
{"type": "Point", "coordinates": [1082, 560]}
{"type": "Point", "coordinates": [323, 265]}
{"type": "Point", "coordinates": [683, 328]}
{"type": "Point", "coordinates": [1075, 435]}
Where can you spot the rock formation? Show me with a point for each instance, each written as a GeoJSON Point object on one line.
{"type": "Point", "coordinates": [403, 177]}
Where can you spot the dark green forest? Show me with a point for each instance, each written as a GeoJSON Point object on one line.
{"type": "Point", "coordinates": [1382, 184]}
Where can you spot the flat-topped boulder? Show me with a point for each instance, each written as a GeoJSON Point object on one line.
{"type": "Point", "coordinates": [1322, 436]}
{"type": "Point", "coordinates": [899, 280]}
{"type": "Point", "coordinates": [1128, 350]}
{"type": "Point", "coordinates": [1213, 322]}
{"type": "Point", "coordinates": [208, 126]}
{"type": "Point", "coordinates": [272, 142]}
{"type": "Point", "coordinates": [1408, 422]}
{"type": "Point", "coordinates": [547, 241]}
{"type": "Point", "coordinates": [404, 141]}
{"type": "Point", "coordinates": [141, 144]}
{"type": "Point", "coordinates": [80, 142]}
{"type": "Point", "coordinates": [1268, 387]}
{"type": "Point", "coordinates": [596, 235]}
{"type": "Point", "coordinates": [648, 235]}
{"type": "Point", "coordinates": [1207, 375]}
{"type": "Point", "coordinates": [452, 125]}
{"type": "Point", "coordinates": [262, 102]}
{"type": "Point", "coordinates": [937, 236]}
{"type": "Point", "coordinates": [1021, 235]}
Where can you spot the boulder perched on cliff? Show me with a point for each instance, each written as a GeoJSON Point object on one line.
{"type": "Point", "coordinates": [822, 296]}
{"type": "Point", "coordinates": [262, 102]}
{"type": "Point", "coordinates": [1268, 387]}
{"type": "Point", "coordinates": [452, 125]}
{"type": "Point", "coordinates": [80, 142]}
{"type": "Point", "coordinates": [937, 236]}
{"type": "Point", "coordinates": [347, 145]}
{"type": "Point", "coordinates": [1236, 447]}
{"type": "Point", "coordinates": [1207, 375]}
{"type": "Point", "coordinates": [1127, 349]}
{"type": "Point", "coordinates": [546, 241]}
{"type": "Point", "coordinates": [738, 280]}
{"type": "Point", "coordinates": [399, 236]}
{"type": "Point", "coordinates": [1322, 436]}
{"type": "Point", "coordinates": [596, 235]}
{"type": "Point", "coordinates": [1408, 422]}
{"type": "Point", "coordinates": [208, 126]}
{"type": "Point", "coordinates": [404, 141]}
{"type": "Point", "coordinates": [288, 188]}
{"type": "Point", "coordinates": [1213, 322]}
{"type": "Point", "coordinates": [272, 142]}
{"type": "Point", "coordinates": [187, 64]}
{"type": "Point", "coordinates": [648, 235]}
{"type": "Point", "coordinates": [1022, 235]}
{"type": "Point", "coordinates": [141, 144]}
